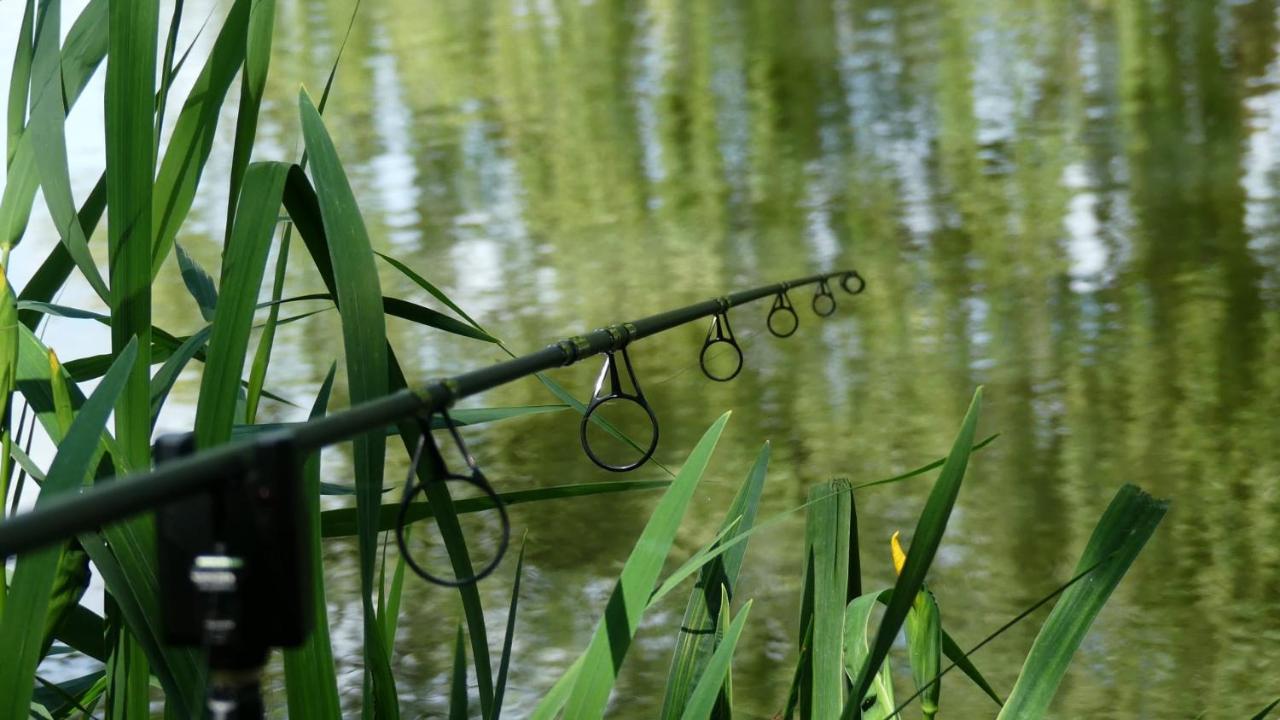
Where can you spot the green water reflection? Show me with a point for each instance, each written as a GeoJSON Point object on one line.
{"type": "Point", "coordinates": [1072, 202]}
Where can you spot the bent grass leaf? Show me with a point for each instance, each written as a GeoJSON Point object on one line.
{"type": "Point", "coordinates": [1125, 526]}
{"type": "Point", "coordinates": [877, 702]}
{"type": "Point", "coordinates": [49, 143]}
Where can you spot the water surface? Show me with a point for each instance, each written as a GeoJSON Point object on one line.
{"type": "Point", "coordinates": [1073, 203]}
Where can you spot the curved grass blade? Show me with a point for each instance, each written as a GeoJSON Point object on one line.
{"type": "Point", "coordinates": [257, 59]}
{"type": "Point", "coordinates": [35, 572]}
{"type": "Point", "coordinates": [311, 683]}
{"type": "Point", "coordinates": [694, 648]}
{"type": "Point", "coordinates": [433, 290]}
{"type": "Point", "coordinates": [359, 295]}
{"type": "Point", "coordinates": [708, 690]}
{"type": "Point", "coordinates": [1262, 715]}
{"type": "Point", "coordinates": [341, 522]}
{"type": "Point", "coordinates": [1125, 526]}
{"type": "Point", "coordinates": [83, 51]}
{"type": "Point", "coordinates": [431, 318]}
{"type": "Point", "coordinates": [924, 545]}
{"type": "Point", "coordinates": [244, 264]}
{"type": "Point", "coordinates": [57, 266]}
{"type": "Point", "coordinates": [613, 635]}
{"type": "Point", "coordinates": [877, 702]}
{"type": "Point", "coordinates": [193, 134]}
{"type": "Point", "coordinates": [49, 142]}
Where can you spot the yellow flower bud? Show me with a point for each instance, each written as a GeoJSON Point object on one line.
{"type": "Point", "coordinates": [899, 557]}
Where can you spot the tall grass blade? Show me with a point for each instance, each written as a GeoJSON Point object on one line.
{"type": "Point", "coordinates": [924, 545]}
{"type": "Point", "coordinates": [694, 647]}
{"type": "Point", "coordinates": [19, 83]}
{"type": "Point", "coordinates": [613, 635]}
{"type": "Point", "coordinates": [708, 691]}
{"type": "Point", "coordinates": [504, 663]}
{"type": "Point", "coordinates": [304, 210]}
{"type": "Point", "coordinates": [162, 382]}
{"type": "Point", "coordinates": [458, 688]}
{"type": "Point", "coordinates": [130, 145]}
{"type": "Point", "coordinates": [243, 266]}
{"type": "Point", "coordinates": [1125, 526]}
{"type": "Point", "coordinates": [34, 576]}
{"type": "Point", "coordinates": [57, 266]}
{"type": "Point", "coordinates": [193, 134]}
{"type": "Point", "coordinates": [262, 356]}
{"type": "Point", "coordinates": [257, 59]}
{"type": "Point", "coordinates": [364, 338]}
{"type": "Point", "coordinates": [310, 677]}
{"type": "Point", "coordinates": [827, 553]}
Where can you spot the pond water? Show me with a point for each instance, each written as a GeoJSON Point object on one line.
{"type": "Point", "coordinates": [1075, 204]}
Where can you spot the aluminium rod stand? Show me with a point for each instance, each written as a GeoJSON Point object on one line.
{"type": "Point", "coordinates": [234, 569]}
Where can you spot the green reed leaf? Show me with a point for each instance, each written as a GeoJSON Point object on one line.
{"type": "Point", "coordinates": [359, 298]}
{"type": "Point", "coordinates": [262, 356]}
{"type": "Point", "coordinates": [504, 664]}
{"type": "Point", "coordinates": [243, 266]}
{"type": "Point", "coordinates": [1124, 528]}
{"type": "Point", "coordinates": [924, 546]}
{"type": "Point", "coordinates": [708, 690]}
{"type": "Point", "coordinates": [827, 561]}
{"type": "Point", "coordinates": [257, 59]}
{"type": "Point", "coordinates": [694, 649]}
{"type": "Point", "coordinates": [83, 51]}
{"type": "Point", "coordinates": [311, 683]}
{"type": "Point", "coordinates": [877, 702]}
{"type": "Point", "coordinates": [626, 606]}
{"type": "Point", "coordinates": [198, 282]}
{"type": "Point", "coordinates": [193, 134]}
{"type": "Point", "coordinates": [33, 580]}
{"type": "Point", "coordinates": [49, 142]}
{"type": "Point", "coordinates": [19, 83]}
{"type": "Point", "coordinates": [458, 686]}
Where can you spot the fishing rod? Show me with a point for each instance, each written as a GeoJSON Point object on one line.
{"type": "Point", "coordinates": [183, 476]}
{"type": "Point", "coordinates": [234, 559]}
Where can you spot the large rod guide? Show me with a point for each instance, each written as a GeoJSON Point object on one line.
{"type": "Point", "coordinates": [181, 477]}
